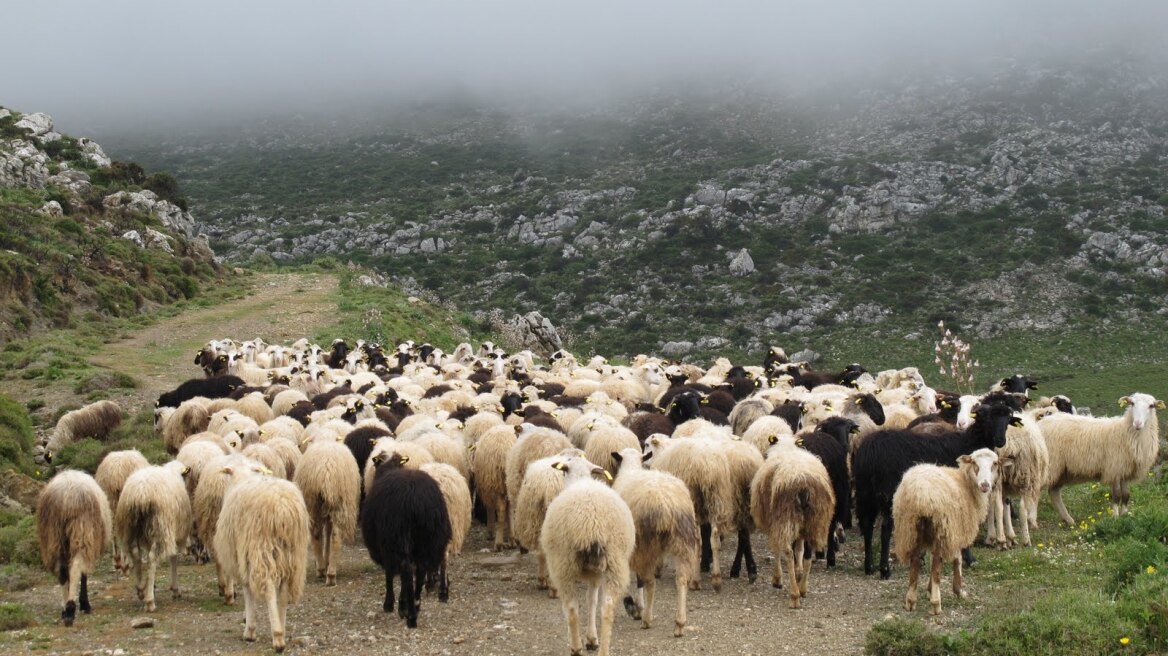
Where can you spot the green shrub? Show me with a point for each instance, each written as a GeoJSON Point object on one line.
{"type": "Point", "coordinates": [903, 637]}
{"type": "Point", "coordinates": [18, 541]}
{"type": "Point", "coordinates": [16, 436]}
{"type": "Point", "coordinates": [14, 616]}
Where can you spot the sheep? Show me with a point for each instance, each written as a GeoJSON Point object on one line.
{"type": "Point", "coordinates": [416, 456]}
{"type": "Point", "coordinates": [288, 453]}
{"type": "Point", "coordinates": [261, 539]}
{"type": "Point", "coordinates": [588, 534]}
{"type": "Point", "coordinates": [533, 444]}
{"type": "Point", "coordinates": [211, 388]}
{"type": "Point", "coordinates": [95, 420]}
{"type": "Point", "coordinates": [266, 456]}
{"type": "Point", "coordinates": [189, 418]}
{"type": "Point", "coordinates": [111, 475]}
{"type": "Point", "coordinates": [406, 528]}
{"type": "Point", "coordinates": [829, 443]}
{"type": "Point", "coordinates": [489, 467]}
{"type": "Point", "coordinates": [284, 401]}
{"type": "Point", "coordinates": [73, 528]}
{"type": "Point", "coordinates": [604, 441]}
{"type": "Point", "coordinates": [456, 493]}
{"type": "Point", "coordinates": [152, 522]}
{"type": "Point", "coordinates": [1112, 450]}
{"type": "Point", "coordinates": [883, 457]}
{"type": "Point", "coordinates": [759, 432]}
{"type": "Point", "coordinates": [663, 514]}
{"type": "Point", "coordinates": [939, 509]}
{"type": "Point", "coordinates": [745, 413]}
{"type": "Point", "coordinates": [791, 500]}
{"type": "Point", "coordinates": [222, 472]}
{"type": "Point", "coordinates": [702, 465]}
{"type": "Point", "coordinates": [331, 484]}
{"type": "Point", "coordinates": [541, 483]}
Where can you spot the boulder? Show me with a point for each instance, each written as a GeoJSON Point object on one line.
{"type": "Point", "coordinates": [741, 263]}
{"type": "Point", "coordinates": [536, 332]}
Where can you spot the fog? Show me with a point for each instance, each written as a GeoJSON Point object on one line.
{"type": "Point", "coordinates": [121, 63]}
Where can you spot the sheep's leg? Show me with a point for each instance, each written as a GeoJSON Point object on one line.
{"type": "Point", "coordinates": [647, 612]}
{"type": "Point", "coordinates": [867, 525]}
{"type": "Point", "coordinates": [409, 596]}
{"type": "Point", "coordinates": [139, 579]}
{"type": "Point", "coordinates": [275, 618]}
{"type": "Point", "coordinates": [747, 553]}
{"type": "Point", "coordinates": [806, 564]}
{"type": "Point", "coordinates": [151, 571]}
{"type": "Point", "coordinates": [1032, 506]}
{"type": "Point", "coordinates": [958, 580]}
{"type": "Point", "coordinates": [1008, 520]}
{"type": "Point", "coordinates": [83, 600]}
{"type": "Point", "coordinates": [832, 545]}
{"type": "Point", "coordinates": [777, 577]}
{"type": "Point", "coordinates": [914, 574]}
{"type": "Point", "coordinates": [593, 641]}
{"type": "Point", "coordinates": [736, 566]}
{"type": "Point", "coordinates": [1124, 496]}
{"type": "Point", "coordinates": [318, 552]}
{"type": "Point", "coordinates": [175, 593]}
{"type": "Point", "coordinates": [885, 543]}
{"type": "Point", "coordinates": [500, 514]}
{"type": "Point", "coordinates": [443, 581]}
{"type": "Point", "coordinates": [607, 601]}
{"type": "Point", "coordinates": [706, 531]}
{"type": "Point", "coordinates": [1056, 498]}
{"type": "Point", "coordinates": [935, 583]}
{"type": "Point", "coordinates": [387, 605]}
{"type": "Point", "coordinates": [329, 536]}
{"type": "Point", "coordinates": [72, 588]}
{"type": "Point", "coordinates": [788, 555]}
{"type": "Point", "coordinates": [682, 583]}
{"type": "Point", "coordinates": [635, 602]}
{"type": "Point", "coordinates": [716, 558]}
{"type": "Point", "coordinates": [541, 581]}
{"type": "Point", "coordinates": [572, 612]}
{"type": "Point", "coordinates": [249, 620]}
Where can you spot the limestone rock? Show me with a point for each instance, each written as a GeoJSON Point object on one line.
{"type": "Point", "coordinates": [742, 264]}
{"type": "Point", "coordinates": [38, 124]}
{"type": "Point", "coordinates": [536, 332]}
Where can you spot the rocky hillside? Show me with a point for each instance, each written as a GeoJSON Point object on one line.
{"type": "Point", "coordinates": [84, 237]}
{"type": "Point", "coordinates": [1031, 197]}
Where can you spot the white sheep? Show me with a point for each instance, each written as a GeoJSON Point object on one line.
{"type": "Point", "coordinates": [262, 541]}
{"type": "Point", "coordinates": [331, 484]}
{"type": "Point", "coordinates": [533, 443]}
{"type": "Point", "coordinates": [940, 509]}
{"type": "Point", "coordinates": [541, 483]}
{"type": "Point", "coordinates": [96, 420]}
{"type": "Point", "coordinates": [663, 514]}
{"type": "Point", "coordinates": [459, 506]}
{"type": "Point", "coordinates": [588, 535]}
{"type": "Point", "coordinates": [152, 522]}
{"type": "Point", "coordinates": [792, 501]}
{"type": "Point", "coordinates": [489, 467]}
{"type": "Point", "coordinates": [1112, 450]}
{"type": "Point", "coordinates": [222, 472]}
{"type": "Point", "coordinates": [73, 529]}
{"type": "Point", "coordinates": [111, 475]}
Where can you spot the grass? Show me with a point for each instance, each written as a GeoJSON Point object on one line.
{"type": "Point", "coordinates": [14, 616]}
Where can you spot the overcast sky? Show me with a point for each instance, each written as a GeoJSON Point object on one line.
{"type": "Point", "coordinates": [85, 60]}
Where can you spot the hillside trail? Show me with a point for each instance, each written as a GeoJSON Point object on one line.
{"type": "Point", "coordinates": [494, 607]}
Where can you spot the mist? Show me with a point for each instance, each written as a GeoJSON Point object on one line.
{"type": "Point", "coordinates": [125, 63]}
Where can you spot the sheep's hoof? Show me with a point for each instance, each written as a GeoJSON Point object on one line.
{"type": "Point", "coordinates": [716, 582]}
{"type": "Point", "coordinates": [592, 644]}
{"type": "Point", "coordinates": [278, 643]}
{"type": "Point", "coordinates": [962, 594]}
{"type": "Point", "coordinates": [794, 605]}
{"type": "Point", "coordinates": [249, 634]}
{"type": "Point", "coordinates": [522, 551]}
{"type": "Point", "coordinates": [885, 573]}
{"type": "Point", "coordinates": [694, 584]}
{"type": "Point", "coordinates": [175, 593]}
{"type": "Point", "coordinates": [69, 613]}
{"type": "Point", "coordinates": [935, 610]}
{"type": "Point", "coordinates": [646, 624]}
{"type": "Point", "coordinates": [411, 622]}
{"type": "Point", "coordinates": [387, 608]}
{"type": "Point", "coordinates": [910, 604]}
{"type": "Point", "coordinates": [150, 607]}
{"type": "Point", "coordinates": [498, 547]}
{"type": "Point", "coordinates": [229, 601]}
{"type": "Point", "coordinates": [551, 593]}
{"type": "Point", "coordinates": [778, 585]}
{"type": "Point", "coordinates": [678, 629]}
{"type": "Point", "coordinates": [141, 593]}
{"type": "Point", "coordinates": [320, 573]}
{"type": "Point", "coordinates": [752, 577]}
{"type": "Point", "coordinates": [631, 608]}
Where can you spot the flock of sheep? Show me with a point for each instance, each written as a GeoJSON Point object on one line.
{"type": "Point", "coordinates": [602, 470]}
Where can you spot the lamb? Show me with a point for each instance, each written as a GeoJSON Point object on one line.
{"type": "Point", "coordinates": [331, 484]}
{"type": "Point", "coordinates": [73, 529]}
{"type": "Point", "coordinates": [406, 528]}
{"type": "Point", "coordinates": [261, 539]}
{"type": "Point", "coordinates": [883, 457]}
{"type": "Point", "coordinates": [1023, 474]}
{"type": "Point", "coordinates": [152, 521]}
{"type": "Point", "coordinates": [489, 467]}
{"type": "Point", "coordinates": [939, 509]}
{"type": "Point", "coordinates": [1112, 450]}
{"type": "Point", "coordinates": [702, 465]}
{"type": "Point", "coordinates": [663, 514]}
{"type": "Point", "coordinates": [111, 475]}
{"type": "Point", "coordinates": [791, 500]}
{"type": "Point", "coordinates": [456, 493]}
{"type": "Point", "coordinates": [95, 420]}
{"type": "Point", "coordinates": [588, 534]}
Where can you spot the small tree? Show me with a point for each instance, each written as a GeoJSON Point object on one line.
{"type": "Point", "coordinates": [953, 359]}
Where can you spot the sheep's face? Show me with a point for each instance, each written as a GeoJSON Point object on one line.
{"type": "Point", "coordinates": [983, 467]}
{"type": "Point", "coordinates": [965, 414]}
{"type": "Point", "coordinates": [1141, 408]}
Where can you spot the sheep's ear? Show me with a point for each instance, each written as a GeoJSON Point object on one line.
{"type": "Point", "coordinates": [965, 459]}
{"type": "Point", "coordinates": [404, 459]}
{"type": "Point", "coordinates": [773, 439]}
{"type": "Point", "coordinates": [1004, 382]}
{"type": "Point", "coordinates": [1124, 402]}
{"type": "Point", "coordinates": [227, 469]}
{"type": "Point", "coordinates": [860, 401]}
{"type": "Point", "coordinates": [616, 456]}
{"type": "Point", "coordinates": [1016, 421]}
{"type": "Point", "coordinates": [1159, 404]}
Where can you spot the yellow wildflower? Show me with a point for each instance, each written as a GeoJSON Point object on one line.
{"type": "Point", "coordinates": [1151, 569]}
{"type": "Point", "coordinates": [1124, 641]}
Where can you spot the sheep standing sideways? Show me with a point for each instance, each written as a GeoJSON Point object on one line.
{"type": "Point", "coordinates": [940, 509]}
{"type": "Point", "coordinates": [94, 420]}
{"type": "Point", "coordinates": [73, 529]}
{"type": "Point", "coordinates": [588, 535]}
{"type": "Point", "coordinates": [791, 500]}
{"type": "Point", "coordinates": [261, 539]}
{"type": "Point", "coordinates": [152, 522]}
{"type": "Point", "coordinates": [406, 528]}
{"type": "Point", "coordinates": [331, 484]}
{"type": "Point", "coordinates": [1112, 450]}
{"type": "Point", "coordinates": [663, 514]}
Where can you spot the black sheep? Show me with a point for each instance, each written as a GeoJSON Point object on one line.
{"type": "Point", "coordinates": [336, 359]}
{"type": "Point", "coordinates": [881, 460]}
{"type": "Point", "coordinates": [1017, 384]}
{"type": "Point", "coordinates": [791, 412]}
{"type": "Point", "coordinates": [406, 529]}
{"type": "Point", "coordinates": [829, 442]}
{"type": "Point", "coordinates": [949, 405]}
{"type": "Point", "coordinates": [211, 388]}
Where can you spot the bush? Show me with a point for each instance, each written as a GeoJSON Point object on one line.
{"type": "Point", "coordinates": [14, 616]}
{"type": "Point", "coordinates": [16, 436]}
{"type": "Point", "coordinates": [900, 637]}
{"type": "Point", "coordinates": [18, 542]}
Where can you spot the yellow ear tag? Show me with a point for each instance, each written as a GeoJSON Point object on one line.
{"type": "Point", "coordinates": [405, 459]}
{"type": "Point", "coordinates": [608, 475]}
{"type": "Point", "coordinates": [859, 401]}
{"type": "Point", "coordinates": [773, 439]}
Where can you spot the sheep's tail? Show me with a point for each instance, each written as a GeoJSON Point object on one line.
{"type": "Point", "coordinates": [140, 530]}
{"type": "Point", "coordinates": [63, 563]}
{"type": "Point", "coordinates": [591, 559]}
{"type": "Point", "coordinates": [925, 531]}
{"type": "Point", "coordinates": [804, 499]}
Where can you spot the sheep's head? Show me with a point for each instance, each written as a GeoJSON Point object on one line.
{"type": "Point", "coordinates": [981, 466]}
{"type": "Point", "coordinates": [1141, 408]}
